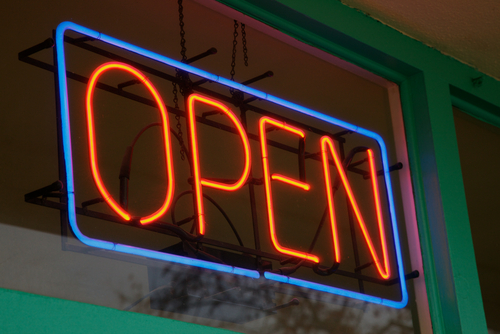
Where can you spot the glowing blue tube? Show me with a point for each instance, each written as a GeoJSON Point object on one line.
{"type": "Point", "coordinates": [157, 57]}
{"type": "Point", "coordinates": [333, 290]}
{"type": "Point", "coordinates": [67, 151]}
{"type": "Point", "coordinates": [392, 211]}
{"type": "Point", "coordinates": [276, 277]}
{"type": "Point", "coordinates": [313, 113]}
{"type": "Point", "coordinates": [246, 272]}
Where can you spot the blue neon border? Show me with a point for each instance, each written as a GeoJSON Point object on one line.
{"type": "Point", "coordinates": [68, 159]}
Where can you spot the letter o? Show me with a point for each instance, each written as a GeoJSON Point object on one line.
{"type": "Point", "coordinates": [92, 142]}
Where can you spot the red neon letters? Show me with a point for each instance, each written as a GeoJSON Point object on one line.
{"type": "Point", "coordinates": [267, 182]}
{"type": "Point", "coordinates": [92, 142]}
{"type": "Point", "coordinates": [198, 181]}
{"type": "Point", "coordinates": [327, 148]}
{"type": "Point", "coordinates": [327, 144]}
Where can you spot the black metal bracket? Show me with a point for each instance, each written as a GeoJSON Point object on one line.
{"type": "Point", "coordinates": [55, 189]}
{"type": "Point", "coordinates": [44, 192]}
{"type": "Point", "coordinates": [128, 83]}
{"type": "Point", "coordinates": [209, 52]}
{"type": "Point", "coordinates": [268, 74]}
{"type": "Point", "coordinates": [47, 44]}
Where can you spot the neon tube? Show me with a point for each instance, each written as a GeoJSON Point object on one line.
{"type": "Point", "coordinates": [102, 244]}
{"type": "Point", "coordinates": [291, 181]}
{"type": "Point", "coordinates": [329, 195]}
{"type": "Point", "coordinates": [198, 180]}
{"type": "Point", "coordinates": [267, 182]}
{"type": "Point", "coordinates": [327, 143]}
{"type": "Point", "coordinates": [92, 141]}
{"type": "Point", "coordinates": [380, 220]}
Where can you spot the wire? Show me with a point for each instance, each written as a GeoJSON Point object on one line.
{"type": "Point", "coordinates": [215, 204]}
{"type": "Point", "coordinates": [127, 158]}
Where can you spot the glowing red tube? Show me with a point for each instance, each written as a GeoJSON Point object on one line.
{"type": "Point", "coordinates": [267, 182]}
{"type": "Point", "coordinates": [290, 181]}
{"type": "Point", "coordinates": [92, 142]}
{"type": "Point", "coordinates": [376, 196]}
{"type": "Point", "coordinates": [198, 181]}
{"type": "Point", "coordinates": [327, 143]}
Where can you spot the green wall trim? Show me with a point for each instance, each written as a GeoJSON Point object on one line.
{"type": "Point", "coordinates": [398, 46]}
{"type": "Point", "coordinates": [449, 262]}
{"type": "Point", "coordinates": [412, 101]}
{"type": "Point", "coordinates": [349, 34]}
{"type": "Point", "coordinates": [475, 107]}
{"type": "Point", "coordinates": [22, 312]}
{"type": "Point", "coordinates": [319, 35]}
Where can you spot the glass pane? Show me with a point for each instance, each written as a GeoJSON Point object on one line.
{"type": "Point", "coordinates": [477, 142]}
{"type": "Point", "coordinates": [40, 254]}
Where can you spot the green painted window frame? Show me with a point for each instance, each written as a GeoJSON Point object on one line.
{"type": "Point", "coordinates": [430, 83]}
{"type": "Point", "coordinates": [22, 312]}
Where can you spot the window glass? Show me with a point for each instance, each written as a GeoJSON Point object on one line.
{"type": "Point", "coordinates": [477, 141]}
{"type": "Point", "coordinates": [40, 254]}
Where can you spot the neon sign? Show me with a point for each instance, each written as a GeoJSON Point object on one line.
{"type": "Point", "coordinates": [326, 146]}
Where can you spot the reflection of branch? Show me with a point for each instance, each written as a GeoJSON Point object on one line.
{"type": "Point", "coordinates": [293, 302]}
{"type": "Point", "coordinates": [219, 293]}
{"type": "Point", "coordinates": [217, 296]}
{"type": "Point", "coordinates": [145, 296]}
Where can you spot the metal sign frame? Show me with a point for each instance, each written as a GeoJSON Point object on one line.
{"type": "Point", "coordinates": [102, 244]}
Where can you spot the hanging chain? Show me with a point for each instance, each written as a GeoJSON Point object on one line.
{"type": "Point", "coordinates": [235, 42]}
{"type": "Point", "coordinates": [183, 76]}
{"type": "Point", "coordinates": [181, 25]}
{"type": "Point", "coordinates": [178, 119]}
{"type": "Point", "coordinates": [245, 50]}
{"type": "Point", "coordinates": [244, 42]}
{"type": "Point", "coordinates": [179, 76]}
{"type": "Point", "coordinates": [176, 100]}
{"type": "Point", "coordinates": [233, 56]}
